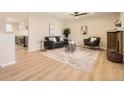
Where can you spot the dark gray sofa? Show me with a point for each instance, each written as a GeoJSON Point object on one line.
{"type": "Point", "coordinates": [50, 44]}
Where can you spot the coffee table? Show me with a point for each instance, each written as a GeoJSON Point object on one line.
{"type": "Point", "coordinates": [70, 48]}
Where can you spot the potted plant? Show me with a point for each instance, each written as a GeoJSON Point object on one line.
{"type": "Point", "coordinates": [66, 32]}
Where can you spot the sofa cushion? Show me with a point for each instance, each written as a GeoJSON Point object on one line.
{"type": "Point", "coordinates": [47, 38]}
{"type": "Point", "coordinates": [92, 39]}
{"type": "Point", "coordinates": [54, 39]}
{"type": "Point", "coordinates": [61, 39]}
{"type": "Point", "coordinates": [57, 38]}
{"type": "Point", "coordinates": [51, 38]}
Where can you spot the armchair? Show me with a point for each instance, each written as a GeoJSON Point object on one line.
{"type": "Point", "coordinates": [95, 43]}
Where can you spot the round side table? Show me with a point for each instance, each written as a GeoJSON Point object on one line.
{"type": "Point", "coordinates": [42, 46]}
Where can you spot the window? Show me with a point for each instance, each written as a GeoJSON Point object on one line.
{"type": "Point", "coordinates": [51, 29]}
{"type": "Point", "coordinates": [8, 28]}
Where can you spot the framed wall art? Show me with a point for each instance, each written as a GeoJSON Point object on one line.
{"type": "Point", "coordinates": [51, 29]}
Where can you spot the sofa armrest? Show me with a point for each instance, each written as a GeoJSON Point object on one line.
{"type": "Point", "coordinates": [96, 42]}
{"type": "Point", "coordinates": [86, 40]}
{"type": "Point", "coordinates": [48, 44]}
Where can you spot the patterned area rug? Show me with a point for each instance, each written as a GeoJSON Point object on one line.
{"type": "Point", "coordinates": [81, 59]}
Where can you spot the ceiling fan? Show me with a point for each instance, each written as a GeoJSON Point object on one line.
{"type": "Point", "coordinates": [77, 14]}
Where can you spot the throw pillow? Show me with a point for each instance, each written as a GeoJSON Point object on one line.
{"type": "Point", "coordinates": [92, 39]}
{"type": "Point", "coordinates": [57, 39]}
{"type": "Point", "coordinates": [50, 38]}
{"type": "Point", "coordinates": [54, 39]}
{"type": "Point", "coordinates": [61, 39]}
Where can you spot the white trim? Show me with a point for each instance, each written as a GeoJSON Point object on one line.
{"type": "Point", "coordinates": [103, 48]}
{"type": "Point", "coordinates": [6, 64]}
{"type": "Point", "coordinates": [123, 55]}
{"type": "Point", "coordinates": [34, 50]}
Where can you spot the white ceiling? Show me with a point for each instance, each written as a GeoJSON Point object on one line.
{"type": "Point", "coordinates": [66, 16]}
{"type": "Point", "coordinates": [17, 16]}
{"type": "Point", "coordinates": [58, 15]}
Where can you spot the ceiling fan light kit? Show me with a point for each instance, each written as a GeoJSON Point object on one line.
{"type": "Point", "coordinates": [76, 17]}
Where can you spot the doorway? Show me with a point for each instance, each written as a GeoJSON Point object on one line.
{"type": "Point", "coordinates": [17, 23]}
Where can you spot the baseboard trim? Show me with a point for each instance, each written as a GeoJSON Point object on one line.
{"type": "Point", "coordinates": [6, 64]}
{"type": "Point", "coordinates": [103, 48]}
{"type": "Point", "coordinates": [34, 50]}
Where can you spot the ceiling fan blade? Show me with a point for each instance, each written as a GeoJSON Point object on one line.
{"type": "Point", "coordinates": [78, 14]}
{"type": "Point", "coordinates": [81, 14]}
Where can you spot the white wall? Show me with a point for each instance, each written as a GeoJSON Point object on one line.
{"type": "Point", "coordinates": [2, 26]}
{"type": "Point", "coordinates": [39, 27]}
{"type": "Point", "coordinates": [7, 49]}
{"type": "Point", "coordinates": [97, 26]}
{"type": "Point", "coordinates": [7, 45]}
{"type": "Point", "coordinates": [122, 18]}
{"type": "Point", "coordinates": [19, 28]}
{"type": "Point", "coordinates": [122, 21]}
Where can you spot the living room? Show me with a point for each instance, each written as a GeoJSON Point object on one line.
{"type": "Point", "coordinates": [74, 59]}
{"type": "Point", "coordinates": [98, 25]}
{"type": "Point", "coordinates": [61, 46]}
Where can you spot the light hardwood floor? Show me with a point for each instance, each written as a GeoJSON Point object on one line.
{"type": "Point", "coordinates": [34, 66]}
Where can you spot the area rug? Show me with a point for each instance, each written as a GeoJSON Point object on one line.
{"type": "Point", "coordinates": [81, 59]}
